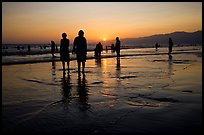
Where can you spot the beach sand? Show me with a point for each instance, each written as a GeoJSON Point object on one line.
{"type": "Point", "coordinates": [136, 94]}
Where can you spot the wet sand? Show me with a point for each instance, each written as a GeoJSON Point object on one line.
{"type": "Point", "coordinates": [136, 94]}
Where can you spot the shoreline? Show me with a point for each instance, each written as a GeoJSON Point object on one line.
{"type": "Point", "coordinates": [92, 57]}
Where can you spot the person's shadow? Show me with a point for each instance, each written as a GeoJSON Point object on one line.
{"type": "Point", "coordinates": [82, 91]}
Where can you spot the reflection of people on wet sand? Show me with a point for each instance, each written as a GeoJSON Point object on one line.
{"type": "Point", "coordinates": [118, 69]}
{"type": "Point", "coordinates": [98, 61]}
{"type": "Point", "coordinates": [83, 93]}
{"type": "Point", "coordinates": [118, 64]}
{"type": "Point", "coordinates": [170, 45]}
{"type": "Point", "coordinates": [64, 51]}
{"type": "Point", "coordinates": [66, 88]}
{"type": "Point", "coordinates": [170, 66]}
{"type": "Point", "coordinates": [53, 70]}
{"type": "Point", "coordinates": [117, 47]}
{"type": "Point", "coordinates": [80, 48]}
{"type": "Point", "coordinates": [53, 48]}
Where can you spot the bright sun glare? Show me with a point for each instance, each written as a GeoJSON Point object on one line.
{"type": "Point", "coordinates": [104, 39]}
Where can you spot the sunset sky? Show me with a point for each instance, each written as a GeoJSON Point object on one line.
{"type": "Point", "coordinates": [41, 22]}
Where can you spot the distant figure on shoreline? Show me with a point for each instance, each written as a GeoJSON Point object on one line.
{"type": "Point", "coordinates": [53, 48]}
{"type": "Point", "coordinates": [170, 45]}
{"type": "Point", "coordinates": [117, 47]}
{"type": "Point", "coordinates": [18, 47]}
{"type": "Point", "coordinates": [156, 46]}
{"type": "Point", "coordinates": [29, 48]}
{"type": "Point", "coordinates": [98, 50]}
{"type": "Point", "coordinates": [80, 48]}
{"type": "Point", "coordinates": [64, 51]}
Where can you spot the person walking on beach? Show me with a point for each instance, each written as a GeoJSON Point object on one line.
{"type": "Point", "coordinates": [80, 48]}
{"type": "Point", "coordinates": [53, 48]}
{"type": "Point", "coordinates": [117, 47]}
{"type": "Point", "coordinates": [170, 45]}
{"type": "Point", "coordinates": [64, 51]}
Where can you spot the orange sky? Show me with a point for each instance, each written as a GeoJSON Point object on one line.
{"type": "Point", "coordinates": [41, 22]}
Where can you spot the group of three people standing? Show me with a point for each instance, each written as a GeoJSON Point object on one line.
{"type": "Point", "coordinates": [79, 48]}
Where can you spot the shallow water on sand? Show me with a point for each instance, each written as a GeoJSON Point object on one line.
{"type": "Point", "coordinates": [133, 94]}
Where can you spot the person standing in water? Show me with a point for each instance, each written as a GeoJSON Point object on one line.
{"type": "Point", "coordinates": [170, 45]}
{"type": "Point", "coordinates": [117, 47]}
{"type": "Point", "coordinates": [80, 48]}
{"type": "Point", "coordinates": [53, 48]}
{"type": "Point", "coordinates": [98, 49]}
{"type": "Point", "coordinates": [64, 51]}
{"type": "Point", "coordinates": [157, 46]}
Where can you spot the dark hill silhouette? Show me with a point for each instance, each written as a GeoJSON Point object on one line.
{"type": "Point", "coordinates": [179, 38]}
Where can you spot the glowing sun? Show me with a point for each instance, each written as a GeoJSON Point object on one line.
{"type": "Point", "coordinates": [104, 39]}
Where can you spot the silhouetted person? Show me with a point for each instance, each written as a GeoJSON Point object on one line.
{"type": "Point", "coordinates": [117, 47]}
{"type": "Point", "coordinates": [98, 49]}
{"type": "Point", "coordinates": [156, 46]}
{"type": "Point", "coordinates": [80, 48]}
{"type": "Point", "coordinates": [64, 51]}
{"type": "Point", "coordinates": [112, 48]}
{"type": "Point", "coordinates": [170, 45]}
{"type": "Point", "coordinates": [96, 52]}
{"type": "Point", "coordinates": [53, 48]}
{"type": "Point", "coordinates": [18, 47]}
{"type": "Point", "coordinates": [29, 48]}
